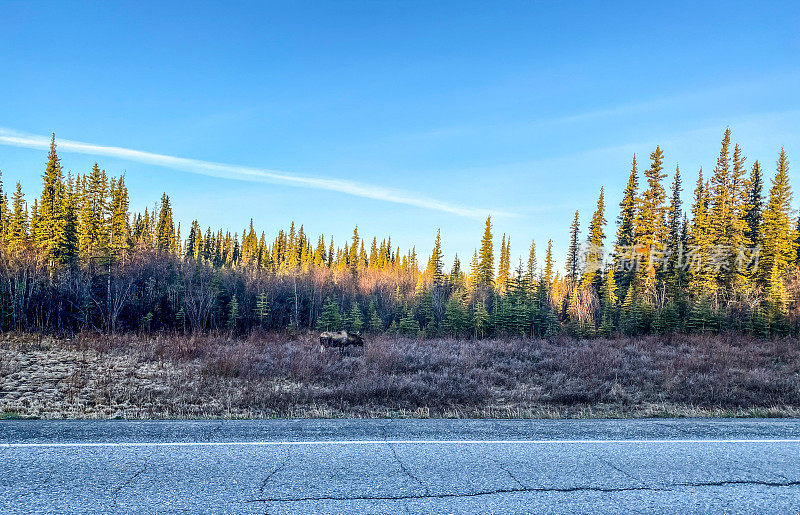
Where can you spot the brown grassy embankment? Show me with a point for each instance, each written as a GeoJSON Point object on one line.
{"type": "Point", "coordinates": [278, 375]}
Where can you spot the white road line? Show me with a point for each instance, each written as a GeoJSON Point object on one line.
{"type": "Point", "coordinates": [399, 442]}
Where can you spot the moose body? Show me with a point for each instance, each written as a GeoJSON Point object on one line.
{"type": "Point", "coordinates": [340, 339]}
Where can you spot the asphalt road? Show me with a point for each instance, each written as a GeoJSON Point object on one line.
{"type": "Point", "coordinates": [389, 466]}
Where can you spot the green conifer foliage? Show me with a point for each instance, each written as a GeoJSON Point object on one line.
{"type": "Point", "coordinates": [548, 265]}
{"type": "Point", "coordinates": [119, 229]}
{"type": "Point", "coordinates": [504, 267]}
{"type": "Point", "coordinates": [485, 269]}
{"type": "Point", "coordinates": [354, 320]}
{"type": "Point", "coordinates": [233, 313]}
{"type": "Point", "coordinates": [755, 204]}
{"type": "Point", "coordinates": [375, 322]}
{"type": "Point", "coordinates": [435, 268]}
{"type": "Point", "coordinates": [596, 238]}
{"type": "Point", "coordinates": [778, 236]}
{"type": "Point", "coordinates": [573, 252]}
{"type": "Point", "coordinates": [701, 279]}
{"type": "Point", "coordinates": [531, 272]}
{"type": "Point", "coordinates": [480, 319]}
{"type": "Point", "coordinates": [165, 229]}
{"type": "Point", "coordinates": [626, 223]}
{"type": "Point", "coordinates": [651, 228]}
{"type": "Point", "coordinates": [93, 231]}
{"type": "Point", "coordinates": [49, 220]}
{"type": "Point", "coordinates": [675, 244]}
{"type": "Point", "coordinates": [18, 223]}
{"type": "Point", "coordinates": [330, 319]}
{"type": "Point", "coordinates": [455, 319]}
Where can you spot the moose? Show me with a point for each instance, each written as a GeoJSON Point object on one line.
{"type": "Point", "coordinates": [340, 339]}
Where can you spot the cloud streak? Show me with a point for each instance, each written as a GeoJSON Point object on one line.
{"type": "Point", "coordinates": [245, 173]}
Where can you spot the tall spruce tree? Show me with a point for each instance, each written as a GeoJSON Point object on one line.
{"type": "Point", "coordinates": [49, 220]}
{"type": "Point", "coordinates": [503, 269]}
{"type": "Point", "coordinates": [69, 213]}
{"type": "Point", "coordinates": [531, 272]}
{"type": "Point", "coordinates": [92, 228]}
{"type": "Point", "coordinates": [778, 239]}
{"type": "Point", "coordinates": [651, 229]}
{"type": "Point", "coordinates": [119, 228]}
{"type": "Point", "coordinates": [486, 258]}
{"type": "Point", "coordinates": [736, 279]}
{"type": "Point", "coordinates": [675, 244]}
{"type": "Point", "coordinates": [573, 252]}
{"type": "Point", "coordinates": [755, 204]}
{"type": "Point", "coordinates": [701, 278]}
{"type": "Point", "coordinates": [548, 265]}
{"type": "Point", "coordinates": [594, 256]}
{"type": "Point", "coordinates": [17, 231]}
{"type": "Point", "coordinates": [626, 224]}
{"type": "Point", "coordinates": [165, 228]}
{"type": "Point", "coordinates": [435, 268]}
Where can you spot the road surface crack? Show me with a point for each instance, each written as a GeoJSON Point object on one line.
{"type": "Point", "coordinates": [739, 482]}
{"type": "Point", "coordinates": [127, 482]}
{"type": "Point", "coordinates": [403, 467]}
{"type": "Point", "coordinates": [618, 469]}
{"type": "Point", "coordinates": [514, 478]}
{"type": "Point", "coordinates": [523, 490]}
{"type": "Point", "coordinates": [274, 471]}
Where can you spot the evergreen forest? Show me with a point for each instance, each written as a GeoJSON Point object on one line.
{"type": "Point", "coordinates": [76, 259]}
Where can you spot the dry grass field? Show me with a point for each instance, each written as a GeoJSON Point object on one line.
{"type": "Point", "coordinates": [284, 375]}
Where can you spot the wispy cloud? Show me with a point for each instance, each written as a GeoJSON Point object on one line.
{"type": "Point", "coordinates": [246, 173]}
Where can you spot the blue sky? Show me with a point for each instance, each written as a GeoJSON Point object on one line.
{"type": "Point", "coordinates": [524, 110]}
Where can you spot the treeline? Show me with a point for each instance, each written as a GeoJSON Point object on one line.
{"type": "Point", "coordinates": [77, 259]}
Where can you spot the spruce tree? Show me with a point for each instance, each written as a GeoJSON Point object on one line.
{"type": "Point", "coordinates": [4, 212]}
{"type": "Point", "coordinates": [674, 247]}
{"type": "Point", "coordinates": [49, 220]}
{"type": "Point", "coordinates": [594, 256]}
{"type": "Point", "coordinates": [261, 309]}
{"type": "Point", "coordinates": [455, 320]}
{"type": "Point", "coordinates": [93, 231]}
{"type": "Point", "coordinates": [531, 272]}
{"type": "Point", "coordinates": [165, 229]}
{"type": "Point", "coordinates": [480, 319]}
{"type": "Point", "coordinates": [354, 319]}
{"type": "Point", "coordinates": [17, 231]}
{"type": "Point", "coordinates": [69, 213]}
{"type": "Point", "coordinates": [735, 279]}
{"type": "Point", "coordinates": [233, 314]}
{"type": "Point", "coordinates": [330, 319]}
{"type": "Point", "coordinates": [352, 258]}
{"type": "Point", "coordinates": [651, 229]}
{"type": "Point", "coordinates": [778, 236]}
{"type": "Point", "coordinates": [755, 205]}
{"type": "Point", "coordinates": [573, 252]}
{"type": "Point", "coordinates": [503, 269]}
{"type": "Point", "coordinates": [194, 244]}
{"type": "Point", "coordinates": [701, 276]}
{"type": "Point", "coordinates": [474, 272]}
{"type": "Point", "coordinates": [608, 303]}
{"type": "Point", "coordinates": [720, 197]}
{"type": "Point", "coordinates": [486, 258]}
{"type": "Point", "coordinates": [548, 265]}
{"type": "Point", "coordinates": [375, 322]}
{"type": "Point", "coordinates": [456, 277]}
{"type": "Point", "coordinates": [435, 269]}
{"type": "Point", "coordinates": [626, 224]}
{"type": "Point", "coordinates": [119, 229]}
